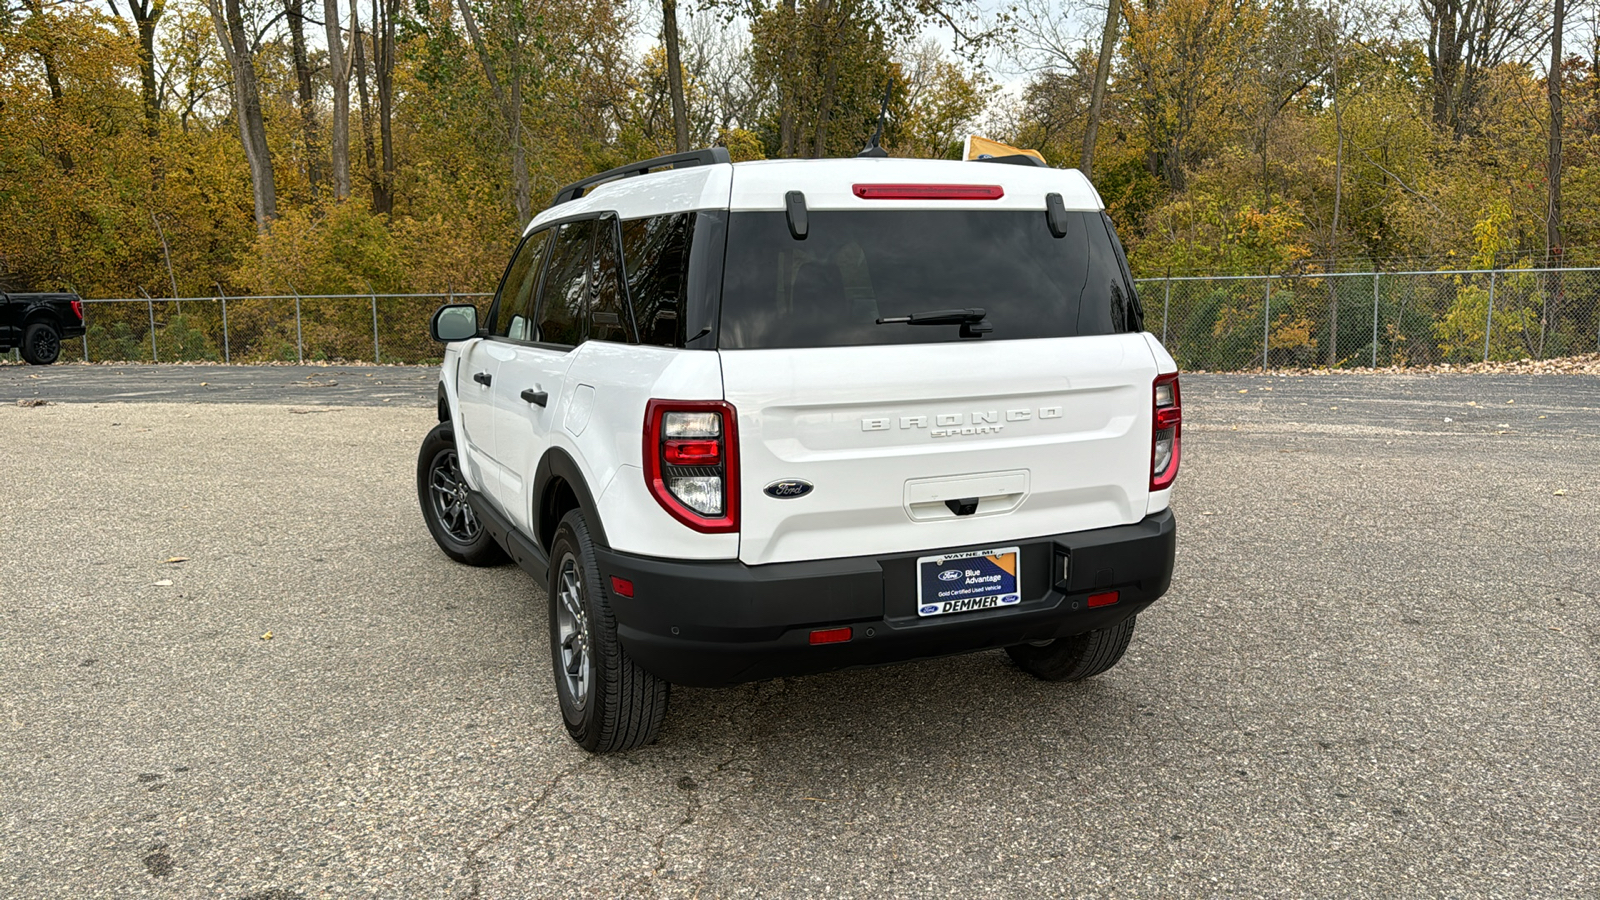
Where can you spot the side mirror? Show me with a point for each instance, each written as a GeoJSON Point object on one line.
{"type": "Point", "coordinates": [455, 322]}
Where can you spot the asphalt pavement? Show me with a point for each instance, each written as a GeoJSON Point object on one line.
{"type": "Point", "coordinates": [233, 664]}
{"type": "Point", "coordinates": [331, 385]}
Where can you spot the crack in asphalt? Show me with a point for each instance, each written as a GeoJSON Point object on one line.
{"type": "Point", "coordinates": [474, 863]}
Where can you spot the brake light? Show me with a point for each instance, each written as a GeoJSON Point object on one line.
{"type": "Point", "coordinates": [77, 309]}
{"type": "Point", "coordinates": [691, 462]}
{"type": "Point", "coordinates": [1166, 431]}
{"type": "Point", "coordinates": [929, 191]}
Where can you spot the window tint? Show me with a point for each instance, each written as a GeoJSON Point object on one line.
{"type": "Point", "coordinates": [514, 316]}
{"type": "Point", "coordinates": [608, 320]}
{"type": "Point", "coordinates": [855, 267]}
{"type": "Point", "coordinates": [656, 255]}
{"type": "Point", "coordinates": [562, 310]}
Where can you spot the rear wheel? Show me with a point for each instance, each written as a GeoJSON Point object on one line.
{"type": "Point", "coordinates": [442, 491]}
{"type": "Point", "coordinates": [608, 703]}
{"type": "Point", "coordinates": [1077, 657]}
{"type": "Point", "coordinates": [41, 344]}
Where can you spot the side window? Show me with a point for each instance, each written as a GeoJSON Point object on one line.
{"type": "Point", "coordinates": [656, 258]}
{"type": "Point", "coordinates": [515, 310]}
{"type": "Point", "coordinates": [562, 310]}
{"type": "Point", "coordinates": [608, 320]}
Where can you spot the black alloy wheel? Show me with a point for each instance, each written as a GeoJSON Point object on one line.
{"type": "Point", "coordinates": [608, 703]}
{"type": "Point", "coordinates": [446, 503]}
{"type": "Point", "coordinates": [41, 344]}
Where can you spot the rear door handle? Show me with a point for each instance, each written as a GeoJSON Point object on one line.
{"type": "Point", "coordinates": [483, 378]}
{"type": "Point", "coordinates": [537, 398]}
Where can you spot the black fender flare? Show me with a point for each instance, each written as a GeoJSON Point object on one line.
{"type": "Point", "coordinates": [558, 464]}
{"type": "Point", "coordinates": [45, 315]}
{"type": "Point", "coordinates": [444, 404]}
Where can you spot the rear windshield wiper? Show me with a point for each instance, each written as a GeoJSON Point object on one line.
{"type": "Point", "coordinates": [970, 320]}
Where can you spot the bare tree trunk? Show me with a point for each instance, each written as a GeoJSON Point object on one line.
{"type": "Point", "coordinates": [294, 11]}
{"type": "Point", "coordinates": [1552, 225]}
{"type": "Point", "coordinates": [830, 80]}
{"type": "Point", "coordinates": [247, 107]}
{"type": "Point", "coordinates": [522, 191]}
{"type": "Point", "coordinates": [383, 72]}
{"type": "Point", "coordinates": [669, 36]}
{"type": "Point", "coordinates": [510, 107]}
{"type": "Point", "coordinates": [146, 13]}
{"type": "Point", "coordinates": [52, 74]}
{"type": "Point", "coordinates": [339, 75]}
{"type": "Point", "coordinates": [358, 57]}
{"type": "Point", "coordinates": [786, 99]}
{"type": "Point", "coordinates": [1097, 96]}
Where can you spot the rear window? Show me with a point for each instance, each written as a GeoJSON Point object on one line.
{"type": "Point", "coordinates": [855, 267]}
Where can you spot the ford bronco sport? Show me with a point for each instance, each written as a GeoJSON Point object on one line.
{"type": "Point", "coordinates": [785, 417]}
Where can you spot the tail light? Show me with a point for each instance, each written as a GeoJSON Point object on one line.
{"type": "Point", "coordinates": [691, 462]}
{"type": "Point", "coordinates": [77, 309]}
{"type": "Point", "coordinates": [1168, 426]}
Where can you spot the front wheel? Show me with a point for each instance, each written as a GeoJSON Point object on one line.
{"type": "Point", "coordinates": [609, 704]}
{"type": "Point", "coordinates": [1077, 657]}
{"type": "Point", "coordinates": [442, 491]}
{"type": "Point", "coordinates": [41, 344]}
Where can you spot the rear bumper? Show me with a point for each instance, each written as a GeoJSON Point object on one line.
{"type": "Point", "coordinates": [709, 624]}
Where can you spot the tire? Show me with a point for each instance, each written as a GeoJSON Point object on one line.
{"type": "Point", "coordinates": [441, 491]}
{"type": "Point", "coordinates": [608, 703]}
{"type": "Point", "coordinates": [41, 344]}
{"type": "Point", "coordinates": [1077, 657]}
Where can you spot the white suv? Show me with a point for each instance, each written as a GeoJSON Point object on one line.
{"type": "Point", "coordinates": [785, 417]}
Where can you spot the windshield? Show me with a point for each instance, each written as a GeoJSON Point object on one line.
{"type": "Point", "coordinates": [855, 267]}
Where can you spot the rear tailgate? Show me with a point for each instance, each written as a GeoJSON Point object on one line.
{"type": "Point", "coordinates": [1049, 435]}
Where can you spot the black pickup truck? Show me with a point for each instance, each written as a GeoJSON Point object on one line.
{"type": "Point", "coordinates": [36, 323]}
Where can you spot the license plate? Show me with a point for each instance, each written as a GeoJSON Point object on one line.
{"type": "Point", "coordinates": [968, 581]}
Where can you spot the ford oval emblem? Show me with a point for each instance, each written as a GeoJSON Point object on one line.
{"type": "Point", "coordinates": [950, 574]}
{"type": "Point", "coordinates": [788, 488]}
{"type": "Point", "coordinates": [928, 610]}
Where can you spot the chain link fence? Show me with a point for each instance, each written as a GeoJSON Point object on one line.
{"type": "Point", "coordinates": [1219, 323]}
{"type": "Point", "coordinates": [384, 328]}
{"type": "Point", "coordinates": [1373, 319]}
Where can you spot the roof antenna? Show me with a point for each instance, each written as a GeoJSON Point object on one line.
{"type": "Point", "coordinates": [873, 150]}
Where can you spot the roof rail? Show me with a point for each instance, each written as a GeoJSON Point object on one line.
{"type": "Point", "coordinates": [1015, 159]}
{"type": "Point", "coordinates": [710, 156]}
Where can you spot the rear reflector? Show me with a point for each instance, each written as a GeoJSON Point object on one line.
{"type": "Point", "coordinates": [622, 587]}
{"type": "Point", "coordinates": [830, 635]}
{"type": "Point", "coordinates": [1105, 599]}
{"type": "Point", "coordinates": [929, 191]}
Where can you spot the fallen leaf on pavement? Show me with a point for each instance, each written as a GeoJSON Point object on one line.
{"type": "Point", "coordinates": [267, 636]}
{"type": "Point", "coordinates": [177, 559]}
{"type": "Point", "coordinates": [165, 582]}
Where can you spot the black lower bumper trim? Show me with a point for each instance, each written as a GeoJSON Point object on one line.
{"type": "Point", "coordinates": [716, 623]}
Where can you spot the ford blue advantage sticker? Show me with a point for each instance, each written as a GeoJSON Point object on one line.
{"type": "Point", "coordinates": [968, 581]}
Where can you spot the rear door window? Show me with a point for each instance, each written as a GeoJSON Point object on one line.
{"type": "Point", "coordinates": [609, 320]}
{"type": "Point", "coordinates": [563, 310]}
{"type": "Point", "coordinates": [856, 266]}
